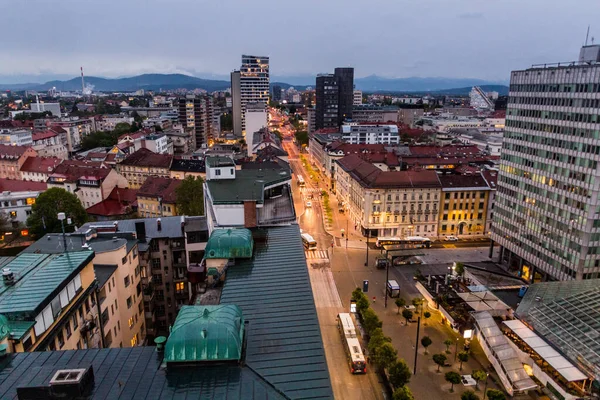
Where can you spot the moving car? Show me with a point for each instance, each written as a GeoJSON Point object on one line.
{"type": "Point", "coordinates": [308, 204]}
{"type": "Point", "coordinates": [451, 239]}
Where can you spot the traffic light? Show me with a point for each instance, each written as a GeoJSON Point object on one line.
{"type": "Point", "coordinates": [365, 286]}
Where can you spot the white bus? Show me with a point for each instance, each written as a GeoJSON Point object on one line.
{"type": "Point", "coordinates": [356, 359]}
{"type": "Point", "coordinates": [309, 242]}
{"type": "Point", "coordinates": [416, 241]}
{"type": "Point", "coordinates": [300, 179]}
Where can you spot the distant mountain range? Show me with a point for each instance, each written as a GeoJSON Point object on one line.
{"type": "Point", "coordinates": [156, 82]}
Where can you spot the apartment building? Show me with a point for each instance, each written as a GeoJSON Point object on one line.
{"type": "Point", "coordinates": [368, 113]}
{"type": "Point", "coordinates": [157, 197]}
{"type": "Point", "coordinates": [334, 98]}
{"type": "Point", "coordinates": [463, 205]}
{"type": "Point", "coordinates": [49, 302]}
{"type": "Point", "coordinates": [157, 143]}
{"type": "Point", "coordinates": [249, 85]}
{"type": "Point", "coordinates": [76, 129]}
{"type": "Point", "coordinates": [388, 203]}
{"type": "Point", "coordinates": [196, 115]}
{"type": "Point", "coordinates": [370, 134]}
{"type": "Point", "coordinates": [90, 181]}
{"type": "Point", "coordinates": [137, 167]}
{"type": "Point", "coordinates": [12, 159]}
{"type": "Point", "coordinates": [164, 258]}
{"type": "Point", "coordinates": [106, 123]}
{"type": "Point", "coordinates": [38, 169]}
{"type": "Point", "coordinates": [545, 216]}
{"type": "Point", "coordinates": [16, 137]}
{"type": "Point", "coordinates": [16, 199]}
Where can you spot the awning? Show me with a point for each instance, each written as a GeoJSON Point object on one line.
{"type": "Point", "coordinates": [563, 366]}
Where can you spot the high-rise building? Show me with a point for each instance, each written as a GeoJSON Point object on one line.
{"type": "Point", "coordinates": [547, 204]}
{"type": "Point", "coordinates": [334, 98]}
{"type": "Point", "coordinates": [276, 95]}
{"type": "Point", "coordinates": [196, 115]}
{"type": "Point", "coordinates": [249, 85]}
{"type": "Point", "coordinates": [357, 96]}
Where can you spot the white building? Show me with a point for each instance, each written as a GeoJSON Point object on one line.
{"type": "Point", "coordinates": [109, 122]}
{"type": "Point", "coordinates": [16, 203]}
{"type": "Point", "coordinates": [54, 108]}
{"type": "Point", "coordinates": [76, 129]}
{"type": "Point", "coordinates": [370, 134]}
{"type": "Point", "coordinates": [546, 211]}
{"type": "Point", "coordinates": [249, 85]}
{"type": "Point", "coordinates": [19, 137]}
{"type": "Point", "coordinates": [256, 119]}
{"type": "Point", "coordinates": [480, 99]}
{"type": "Point", "coordinates": [357, 100]}
{"type": "Point", "coordinates": [158, 143]}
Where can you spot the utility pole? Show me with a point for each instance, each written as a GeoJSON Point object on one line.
{"type": "Point", "coordinates": [368, 236]}
{"type": "Point", "coordinates": [62, 217]}
{"type": "Point", "coordinates": [417, 345]}
{"type": "Point", "coordinates": [387, 275]}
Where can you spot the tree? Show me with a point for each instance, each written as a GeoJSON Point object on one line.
{"type": "Point", "coordinates": [460, 269]}
{"type": "Point", "coordinates": [463, 356]}
{"type": "Point", "coordinates": [400, 302]}
{"type": "Point", "coordinates": [158, 128]}
{"type": "Point", "coordinates": [417, 302]}
{"type": "Point", "coordinates": [407, 314]}
{"type": "Point", "coordinates": [44, 213]}
{"type": "Point", "coordinates": [362, 304]}
{"type": "Point", "coordinates": [371, 320]}
{"type": "Point", "coordinates": [403, 393]}
{"type": "Point", "coordinates": [479, 376]}
{"type": "Point", "coordinates": [399, 373]}
{"type": "Point", "coordinates": [385, 355]}
{"type": "Point", "coordinates": [190, 196]}
{"type": "Point", "coordinates": [469, 395]}
{"type": "Point", "coordinates": [137, 117]}
{"type": "Point", "coordinates": [494, 394]}
{"type": "Point", "coordinates": [426, 342]}
{"type": "Point", "coordinates": [376, 339]}
{"type": "Point", "coordinates": [448, 343]}
{"type": "Point", "coordinates": [440, 360]}
{"type": "Point", "coordinates": [454, 378]}
{"type": "Point", "coordinates": [427, 315]}
{"type": "Point", "coordinates": [226, 122]}
{"type": "Point", "coordinates": [301, 137]}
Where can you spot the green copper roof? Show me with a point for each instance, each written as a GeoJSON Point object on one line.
{"type": "Point", "coordinates": [230, 243]}
{"type": "Point", "coordinates": [206, 333]}
{"type": "Point", "coordinates": [18, 329]}
{"type": "Point", "coordinates": [38, 279]}
{"type": "Point", "coordinates": [4, 330]}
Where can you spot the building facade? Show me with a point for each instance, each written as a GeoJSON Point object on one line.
{"type": "Point", "coordinates": [256, 119]}
{"type": "Point", "coordinates": [367, 113]}
{"type": "Point", "coordinates": [157, 197]}
{"type": "Point", "coordinates": [357, 98]}
{"type": "Point", "coordinates": [16, 137]}
{"type": "Point", "coordinates": [370, 134]}
{"type": "Point", "coordinates": [545, 217]}
{"type": "Point", "coordinates": [388, 203]}
{"type": "Point", "coordinates": [12, 159]}
{"type": "Point", "coordinates": [16, 203]}
{"type": "Point", "coordinates": [196, 115]}
{"type": "Point", "coordinates": [249, 85]}
{"type": "Point", "coordinates": [137, 167]}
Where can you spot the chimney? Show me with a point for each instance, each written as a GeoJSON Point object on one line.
{"type": "Point", "coordinates": [158, 224]}
{"type": "Point", "coordinates": [8, 277]}
{"type": "Point", "coordinates": [116, 223]}
{"type": "Point", "coordinates": [140, 231]}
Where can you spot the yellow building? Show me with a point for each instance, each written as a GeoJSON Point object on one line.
{"type": "Point", "coordinates": [157, 197]}
{"type": "Point", "coordinates": [117, 267]}
{"type": "Point", "coordinates": [137, 167]}
{"type": "Point", "coordinates": [48, 302]}
{"type": "Point", "coordinates": [464, 205]}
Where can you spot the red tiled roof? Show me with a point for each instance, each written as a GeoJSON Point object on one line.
{"type": "Point", "coordinates": [73, 170]}
{"type": "Point", "coordinates": [146, 158]}
{"type": "Point", "coordinates": [8, 151]}
{"type": "Point", "coordinates": [89, 156]}
{"type": "Point", "coordinates": [349, 148]}
{"type": "Point", "coordinates": [451, 150]}
{"type": "Point", "coordinates": [491, 176]}
{"type": "Point", "coordinates": [372, 177]}
{"type": "Point", "coordinates": [15, 185]}
{"type": "Point", "coordinates": [43, 135]}
{"type": "Point", "coordinates": [390, 159]}
{"type": "Point", "coordinates": [415, 161]}
{"type": "Point", "coordinates": [40, 164]}
{"type": "Point", "coordinates": [133, 136]}
{"type": "Point", "coordinates": [119, 202]}
{"type": "Point", "coordinates": [156, 186]}
{"type": "Point", "coordinates": [463, 181]}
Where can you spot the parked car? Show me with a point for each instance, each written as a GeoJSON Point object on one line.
{"type": "Point", "coordinates": [451, 239]}
{"type": "Point", "coordinates": [308, 204]}
{"type": "Point", "coordinates": [468, 380]}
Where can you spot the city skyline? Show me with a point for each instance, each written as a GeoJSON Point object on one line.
{"type": "Point", "coordinates": [411, 40]}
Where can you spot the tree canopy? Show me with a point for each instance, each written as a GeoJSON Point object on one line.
{"type": "Point", "coordinates": [190, 196]}
{"type": "Point", "coordinates": [439, 359]}
{"type": "Point", "coordinates": [407, 314]}
{"type": "Point", "coordinates": [453, 377]}
{"type": "Point", "coordinates": [399, 373]}
{"type": "Point", "coordinates": [386, 355]}
{"type": "Point", "coordinates": [105, 139]}
{"type": "Point", "coordinates": [301, 137]}
{"type": "Point", "coordinates": [494, 394]}
{"type": "Point", "coordinates": [469, 395]}
{"type": "Point", "coordinates": [44, 213]}
{"type": "Point", "coordinates": [426, 342]}
{"type": "Point", "coordinates": [403, 393]}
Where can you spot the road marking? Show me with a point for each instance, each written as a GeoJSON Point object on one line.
{"type": "Point", "coordinates": [450, 246]}
{"type": "Point", "coordinates": [324, 290]}
{"type": "Point", "coordinates": [317, 255]}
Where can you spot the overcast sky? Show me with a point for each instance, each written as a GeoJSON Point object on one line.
{"type": "Point", "coordinates": [393, 38]}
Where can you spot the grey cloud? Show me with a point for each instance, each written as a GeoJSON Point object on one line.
{"type": "Point", "coordinates": [471, 15]}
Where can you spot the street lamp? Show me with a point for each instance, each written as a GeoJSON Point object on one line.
{"type": "Point", "coordinates": [456, 350]}
{"type": "Point", "coordinates": [61, 218]}
{"type": "Point", "coordinates": [486, 383]}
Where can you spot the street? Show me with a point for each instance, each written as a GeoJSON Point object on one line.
{"type": "Point", "coordinates": [338, 267]}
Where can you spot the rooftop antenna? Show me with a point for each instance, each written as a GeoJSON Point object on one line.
{"type": "Point", "coordinates": [586, 37]}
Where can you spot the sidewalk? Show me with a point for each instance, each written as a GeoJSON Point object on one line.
{"type": "Point", "coordinates": [428, 383]}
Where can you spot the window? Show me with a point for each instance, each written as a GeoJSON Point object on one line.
{"type": "Point", "coordinates": [180, 286]}
{"type": "Point", "coordinates": [74, 318]}
{"type": "Point", "coordinates": [129, 302]}
{"type": "Point", "coordinates": [127, 281]}
{"type": "Point", "coordinates": [68, 329]}
{"type": "Point", "coordinates": [156, 263]}
{"type": "Point", "coordinates": [134, 340]}
{"type": "Point", "coordinates": [124, 260]}
{"type": "Point", "coordinates": [116, 305]}
{"type": "Point", "coordinates": [131, 322]}
{"type": "Point", "coordinates": [217, 172]}
{"type": "Point", "coordinates": [446, 206]}
{"type": "Point", "coordinates": [61, 339]}
{"type": "Point", "coordinates": [30, 201]}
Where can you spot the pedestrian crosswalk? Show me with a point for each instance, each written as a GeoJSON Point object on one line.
{"type": "Point", "coordinates": [307, 190]}
{"type": "Point", "coordinates": [317, 254]}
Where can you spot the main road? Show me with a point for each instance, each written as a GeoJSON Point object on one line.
{"type": "Point", "coordinates": [327, 300]}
